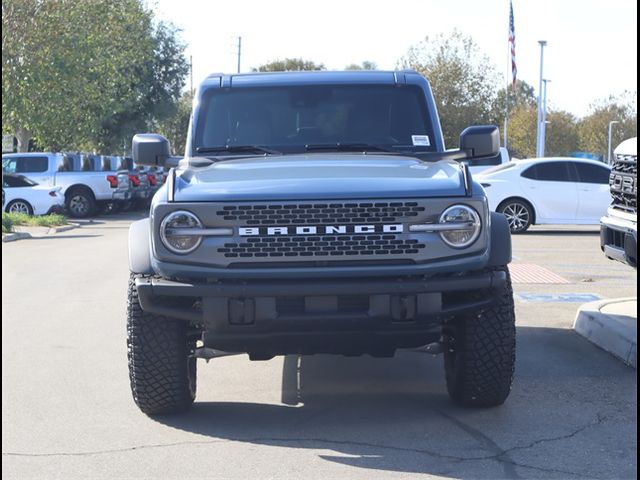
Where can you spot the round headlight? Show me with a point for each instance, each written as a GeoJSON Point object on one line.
{"type": "Point", "coordinates": [175, 232]}
{"type": "Point", "coordinates": [469, 222]}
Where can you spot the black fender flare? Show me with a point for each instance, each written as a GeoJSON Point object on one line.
{"type": "Point", "coordinates": [140, 247]}
{"type": "Point", "coordinates": [501, 247]}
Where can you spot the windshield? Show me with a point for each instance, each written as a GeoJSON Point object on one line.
{"type": "Point", "coordinates": [289, 119]}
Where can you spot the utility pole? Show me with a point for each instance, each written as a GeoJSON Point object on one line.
{"type": "Point", "coordinates": [239, 52]}
{"type": "Point", "coordinates": [611, 124]}
{"type": "Point", "coordinates": [541, 125]}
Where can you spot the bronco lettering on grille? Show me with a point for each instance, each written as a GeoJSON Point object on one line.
{"type": "Point", "coordinates": [320, 230]}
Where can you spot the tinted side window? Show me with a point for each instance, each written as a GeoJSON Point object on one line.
{"type": "Point", "coordinates": [9, 165]}
{"type": "Point", "coordinates": [531, 173]}
{"type": "Point", "coordinates": [11, 181]}
{"type": "Point", "coordinates": [589, 173]}
{"type": "Point", "coordinates": [32, 164]}
{"type": "Point", "coordinates": [548, 172]}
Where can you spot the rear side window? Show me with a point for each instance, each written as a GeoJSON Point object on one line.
{"type": "Point", "coordinates": [590, 173]}
{"type": "Point", "coordinates": [9, 181]}
{"type": "Point", "coordinates": [26, 165]}
{"type": "Point", "coordinates": [548, 172]}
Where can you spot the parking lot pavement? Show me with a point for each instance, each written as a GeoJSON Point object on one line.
{"type": "Point", "coordinates": [67, 410]}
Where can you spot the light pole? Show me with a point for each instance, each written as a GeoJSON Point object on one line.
{"type": "Point", "coordinates": [544, 116]}
{"type": "Point", "coordinates": [540, 137]}
{"type": "Point", "coordinates": [611, 123]}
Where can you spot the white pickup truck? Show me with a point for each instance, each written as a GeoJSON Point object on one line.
{"type": "Point", "coordinates": [83, 188]}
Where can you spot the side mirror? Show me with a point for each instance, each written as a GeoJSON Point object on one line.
{"type": "Point", "coordinates": [150, 149]}
{"type": "Point", "coordinates": [481, 141]}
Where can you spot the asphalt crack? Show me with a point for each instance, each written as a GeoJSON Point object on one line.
{"type": "Point", "coordinates": [498, 454]}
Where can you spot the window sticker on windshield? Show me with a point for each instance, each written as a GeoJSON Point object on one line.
{"type": "Point", "coordinates": [420, 140]}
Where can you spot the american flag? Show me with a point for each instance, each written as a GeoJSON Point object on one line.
{"type": "Point", "coordinates": [512, 44]}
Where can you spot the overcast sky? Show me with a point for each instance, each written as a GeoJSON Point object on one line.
{"type": "Point", "coordinates": [591, 51]}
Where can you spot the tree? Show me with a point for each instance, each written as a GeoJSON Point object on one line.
{"type": "Point", "coordinates": [161, 78]}
{"type": "Point", "coordinates": [561, 134]}
{"type": "Point", "coordinates": [175, 127]}
{"type": "Point", "coordinates": [522, 132]}
{"type": "Point", "coordinates": [523, 95]}
{"type": "Point", "coordinates": [462, 79]}
{"type": "Point", "coordinates": [74, 73]}
{"type": "Point", "coordinates": [289, 65]}
{"type": "Point", "coordinates": [366, 65]}
{"type": "Point", "coordinates": [593, 130]}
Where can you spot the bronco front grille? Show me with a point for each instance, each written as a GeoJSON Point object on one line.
{"type": "Point", "coordinates": [321, 246]}
{"type": "Point", "coordinates": [321, 213]}
{"type": "Point", "coordinates": [624, 187]}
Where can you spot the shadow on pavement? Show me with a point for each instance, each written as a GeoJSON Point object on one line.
{"type": "Point", "coordinates": [62, 236]}
{"type": "Point", "coordinates": [394, 414]}
{"type": "Point", "coordinates": [560, 233]}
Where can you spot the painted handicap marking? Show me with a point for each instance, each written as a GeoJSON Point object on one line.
{"type": "Point", "coordinates": [561, 298]}
{"type": "Point", "coordinates": [523, 273]}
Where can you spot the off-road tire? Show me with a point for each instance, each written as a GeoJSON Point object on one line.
{"type": "Point", "coordinates": [162, 370]}
{"type": "Point", "coordinates": [480, 362]}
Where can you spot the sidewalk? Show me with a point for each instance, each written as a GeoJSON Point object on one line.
{"type": "Point", "coordinates": [612, 325]}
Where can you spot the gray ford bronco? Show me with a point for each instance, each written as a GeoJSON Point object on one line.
{"type": "Point", "coordinates": [318, 212]}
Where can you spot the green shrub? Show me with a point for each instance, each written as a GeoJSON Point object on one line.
{"type": "Point", "coordinates": [7, 223]}
{"type": "Point", "coordinates": [9, 220]}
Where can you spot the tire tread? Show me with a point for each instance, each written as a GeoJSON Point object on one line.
{"type": "Point", "coordinates": [485, 354]}
{"type": "Point", "coordinates": [158, 357]}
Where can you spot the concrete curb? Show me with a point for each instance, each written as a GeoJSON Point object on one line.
{"type": "Point", "coordinates": [23, 232]}
{"type": "Point", "coordinates": [63, 228]}
{"type": "Point", "coordinates": [611, 325]}
{"type": "Point", "coordinates": [12, 237]}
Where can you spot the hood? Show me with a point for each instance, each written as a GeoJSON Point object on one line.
{"type": "Point", "coordinates": [320, 176]}
{"type": "Point", "coordinates": [628, 147]}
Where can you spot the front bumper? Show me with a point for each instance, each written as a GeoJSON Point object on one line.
{"type": "Point", "coordinates": [619, 237]}
{"type": "Point", "coordinates": [321, 316]}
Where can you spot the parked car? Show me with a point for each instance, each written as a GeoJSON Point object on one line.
{"type": "Point", "coordinates": [619, 228]}
{"type": "Point", "coordinates": [83, 190]}
{"type": "Point", "coordinates": [22, 195]}
{"type": "Point", "coordinates": [117, 177]}
{"type": "Point", "coordinates": [551, 191]}
{"type": "Point", "coordinates": [142, 189]}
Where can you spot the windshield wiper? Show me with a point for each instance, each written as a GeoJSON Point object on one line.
{"type": "Point", "coordinates": [346, 147]}
{"type": "Point", "coordinates": [238, 149]}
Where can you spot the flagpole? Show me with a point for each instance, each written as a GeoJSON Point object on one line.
{"type": "Point", "coordinates": [506, 108]}
{"type": "Point", "coordinates": [509, 60]}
